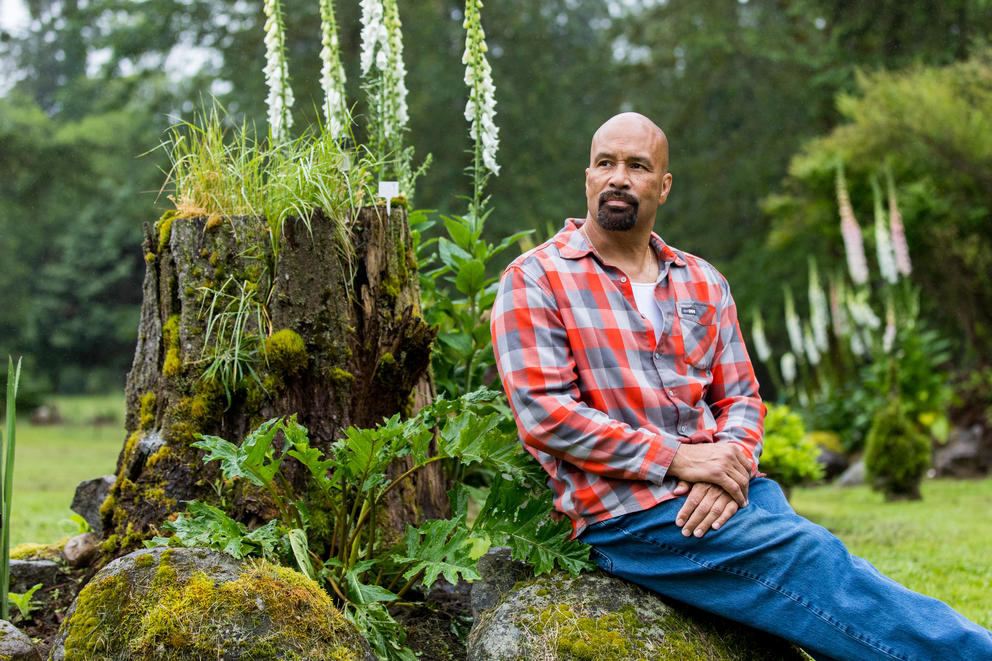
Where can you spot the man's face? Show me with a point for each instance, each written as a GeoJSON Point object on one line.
{"type": "Point", "coordinates": [627, 178]}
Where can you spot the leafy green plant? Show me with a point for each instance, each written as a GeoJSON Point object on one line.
{"type": "Point", "coordinates": [457, 296]}
{"type": "Point", "coordinates": [897, 454]}
{"type": "Point", "coordinates": [25, 602]}
{"type": "Point", "coordinates": [333, 533]}
{"type": "Point", "coordinates": [7, 486]}
{"type": "Point", "coordinates": [788, 455]}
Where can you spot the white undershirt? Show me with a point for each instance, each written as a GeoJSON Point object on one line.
{"type": "Point", "coordinates": [647, 306]}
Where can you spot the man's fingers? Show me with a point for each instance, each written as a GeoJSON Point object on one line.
{"type": "Point", "coordinates": [728, 511]}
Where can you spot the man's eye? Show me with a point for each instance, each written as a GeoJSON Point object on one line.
{"type": "Point", "coordinates": [604, 164]}
{"type": "Point", "coordinates": [638, 166]}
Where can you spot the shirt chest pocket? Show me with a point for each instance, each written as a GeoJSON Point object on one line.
{"type": "Point", "coordinates": [697, 322]}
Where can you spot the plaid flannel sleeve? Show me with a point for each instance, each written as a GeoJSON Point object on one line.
{"type": "Point", "coordinates": [536, 363]}
{"type": "Point", "coordinates": [733, 394]}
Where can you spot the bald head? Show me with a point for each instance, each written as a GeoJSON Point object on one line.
{"type": "Point", "coordinates": [635, 127]}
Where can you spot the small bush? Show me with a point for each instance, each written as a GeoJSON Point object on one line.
{"type": "Point", "coordinates": [897, 454]}
{"type": "Point", "coordinates": [788, 455]}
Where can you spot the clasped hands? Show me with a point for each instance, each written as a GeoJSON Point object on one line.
{"type": "Point", "coordinates": [714, 477]}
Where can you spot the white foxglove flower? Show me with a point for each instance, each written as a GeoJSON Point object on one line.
{"type": "Point", "coordinates": [395, 69]}
{"type": "Point", "coordinates": [854, 247]}
{"type": "Point", "coordinates": [480, 109]}
{"type": "Point", "coordinates": [760, 341]}
{"type": "Point", "coordinates": [883, 242]}
{"type": "Point", "coordinates": [809, 344]}
{"type": "Point", "coordinates": [332, 77]}
{"type": "Point", "coordinates": [861, 312]}
{"type": "Point", "coordinates": [280, 98]}
{"type": "Point", "coordinates": [819, 316]}
{"type": "Point", "coordinates": [788, 365]}
{"type": "Point", "coordinates": [374, 37]}
{"type": "Point", "coordinates": [857, 345]}
{"type": "Point", "coordinates": [899, 245]}
{"type": "Point", "coordinates": [792, 324]}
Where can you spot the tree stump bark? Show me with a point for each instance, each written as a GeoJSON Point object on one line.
{"type": "Point", "coordinates": [346, 345]}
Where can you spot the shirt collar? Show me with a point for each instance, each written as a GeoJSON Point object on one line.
{"type": "Point", "coordinates": [573, 244]}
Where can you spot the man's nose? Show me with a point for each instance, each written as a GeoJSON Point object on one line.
{"type": "Point", "coordinates": [620, 177]}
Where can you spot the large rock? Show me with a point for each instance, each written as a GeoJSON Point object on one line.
{"type": "Point", "coordinates": [25, 574]}
{"type": "Point", "coordinates": [15, 645]}
{"type": "Point", "coordinates": [169, 604]}
{"type": "Point", "coordinates": [967, 453]}
{"type": "Point", "coordinates": [854, 476]}
{"type": "Point", "coordinates": [88, 498]}
{"type": "Point", "coordinates": [599, 617]}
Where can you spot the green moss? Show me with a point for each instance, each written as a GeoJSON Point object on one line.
{"type": "Point", "coordinates": [150, 257]}
{"type": "Point", "coordinates": [342, 377]}
{"type": "Point", "coordinates": [108, 506]}
{"type": "Point", "coordinates": [146, 410]}
{"type": "Point", "coordinates": [286, 352]}
{"type": "Point", "coordinates": [110, 545]}
{"type": "Point", "coordinates": [146, 560]}
{"type": "Point", "coordinates": [165, 230]}
{"type": "Point", "coordinates": [130, 444]}
{"type": "Point", "coordinates": [170, 340]}
{"type": "Point", "coordinates": [603, 638]}
{"type": "Point", "coordinates": [171, 618]}
{"type": "Point", "coordinates": [31, 551]}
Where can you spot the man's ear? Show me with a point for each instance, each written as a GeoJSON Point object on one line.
{"type": "Point", "coordinates": [666, 188]}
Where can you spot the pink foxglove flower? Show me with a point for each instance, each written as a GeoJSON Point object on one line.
{"type": "Point", "coordinates": [854, 247]}
{"type": "Point", "coordinates": [838, 311]}
{"type": "Point", "coordinates": [899, 245]}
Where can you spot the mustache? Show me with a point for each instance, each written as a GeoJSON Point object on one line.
{"type": "Point", "coordinates": [618, 195]}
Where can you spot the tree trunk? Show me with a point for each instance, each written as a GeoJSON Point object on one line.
{"type": "Point", "coordinates": [346, 345]}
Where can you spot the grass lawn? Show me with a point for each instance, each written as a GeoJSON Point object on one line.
{"type": "Point", "coordinates": [51, 460]}
{"type": "Point", "coordinates": [938, 546]}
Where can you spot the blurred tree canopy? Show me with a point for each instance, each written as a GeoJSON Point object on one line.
{"type": "Point", "coordinates": [739, 86]}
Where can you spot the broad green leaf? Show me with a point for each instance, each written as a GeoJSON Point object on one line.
{"type": "Point", "coordinates": [301, 551]}
{"type": "Point", "coordinates": [451, 255]}
{"type": "Point", "coordinates": [440, 547]}
{"type": "Point", "coordinates": [459, 232]}
{"type": "Point", "coordinates": [471, 276]}
{"type": "Point", "coordinates": [360, 593]}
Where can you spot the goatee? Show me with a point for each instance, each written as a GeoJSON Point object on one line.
{"type": "Point", "coordinates": [617, 220]}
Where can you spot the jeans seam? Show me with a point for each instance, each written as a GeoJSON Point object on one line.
{"type": "Point", "coordinates": [861, 638]}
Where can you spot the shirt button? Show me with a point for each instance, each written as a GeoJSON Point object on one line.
{"type": "Point", "coordinates": [623, 279]}
{"type": "Point", "coordinates": [672, 393]}
{"type": "Point", "coordinates": [683, 429]}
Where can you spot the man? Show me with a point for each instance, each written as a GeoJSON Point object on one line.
{"type": "Point", "coordinates": [629, 381]}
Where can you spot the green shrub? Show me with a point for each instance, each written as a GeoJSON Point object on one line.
{"type": "Point", "coordinates": [788, 455]}
{"type": "Point", "coordinates": [897, 454]}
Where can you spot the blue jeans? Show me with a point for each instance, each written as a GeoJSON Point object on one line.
{"type": "Point", "coordinates": [771, 569]}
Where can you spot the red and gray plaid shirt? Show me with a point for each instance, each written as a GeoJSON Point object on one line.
{"type": "Point", "coordinates": [598, 402]}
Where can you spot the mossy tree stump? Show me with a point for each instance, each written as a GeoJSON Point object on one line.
{"type": "Point", "coordinates": [346, 345]}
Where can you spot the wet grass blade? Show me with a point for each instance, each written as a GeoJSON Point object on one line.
{"type": "Point", "coordinates": [7, 486]}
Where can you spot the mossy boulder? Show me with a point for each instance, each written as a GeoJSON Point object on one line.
{"type": "Point", "coordinates": [190, 604]}
{"type": "Point", "coordinates": [595, 617]}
